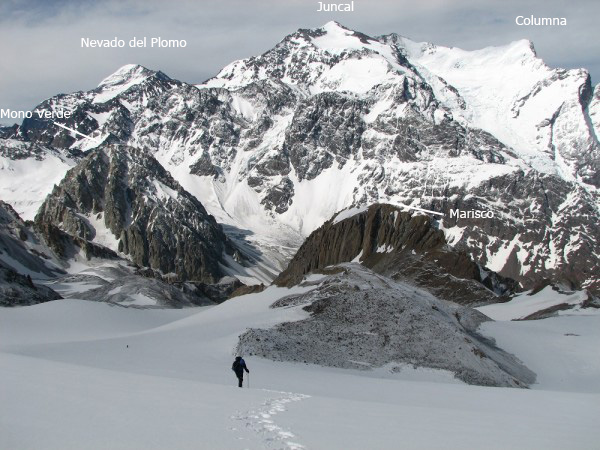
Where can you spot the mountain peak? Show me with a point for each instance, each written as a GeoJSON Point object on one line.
{"type": "Point", "coordinates": [526, 45]}
{"type": "Point", "coordinates": [337, 37]}
{"type": "Point", "coordinates": [333, 25]}
{"type": "Point", "coordinates": [126, 77]}
{"type": "Point", "coordinates": [126, 74]}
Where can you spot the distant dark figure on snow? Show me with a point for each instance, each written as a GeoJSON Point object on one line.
{"type": "Point", "coordinates": [239, 365]}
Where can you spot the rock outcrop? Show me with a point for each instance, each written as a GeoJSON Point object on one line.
{"type": "Point", "coordinates": [122, 199]}
{"type": "Point", "coordinates": [22, 255]}
{"type": "Point", "coordinates": [19, 290]}
{"type": "Point", "coordinates": [402, 245]}
{"type": "Point", "coordinates": [361, 320]}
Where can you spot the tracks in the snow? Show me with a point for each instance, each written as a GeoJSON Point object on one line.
{"type": "Point", "coordinates": [261, 421]}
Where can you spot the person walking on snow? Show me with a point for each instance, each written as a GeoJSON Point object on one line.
{"type": "Point", "coordinates": [239, 365]}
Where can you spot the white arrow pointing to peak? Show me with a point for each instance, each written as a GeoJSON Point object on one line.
{"type": "Point", "coordinates": [400, 205]}
{"type": "Point", "coordinates": [77, 132]}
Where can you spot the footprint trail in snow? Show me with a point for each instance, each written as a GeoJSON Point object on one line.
{"type": "Point", "coordinates": [261, 421]}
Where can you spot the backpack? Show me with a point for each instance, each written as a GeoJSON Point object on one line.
{"type": "Point", "coordinates": [236, 366]}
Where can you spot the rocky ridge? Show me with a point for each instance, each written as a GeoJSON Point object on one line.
{"type": "Point", "coordinates": [121, 197]}
{"type": "Point", "coordinates": [405, 246]}
{"type": "Point", "coordinates": [22, 254]}
{"type": "Point", "coordinates": [39, 265]}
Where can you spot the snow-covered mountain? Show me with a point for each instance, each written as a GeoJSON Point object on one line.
{"type": "Point", "coordinates": [330, 118]}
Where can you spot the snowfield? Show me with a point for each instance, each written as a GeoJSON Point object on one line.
{"type": "Point", "coordinates": [81, 374]}
{"type": "Point", "coordinates": [26, 182]}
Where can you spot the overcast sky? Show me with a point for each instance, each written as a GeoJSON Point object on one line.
{"type": "Point", "coordinates": [41, 54]}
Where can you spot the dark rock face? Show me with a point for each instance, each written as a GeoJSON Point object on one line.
{"type": "Point", "coordinates": [221, 291]}
{"type": "Point", "coordinates": [280, 196]}
{"type": "Point", "coordinates": [329, 121]}
{"type": "Point", "coordinates": [19, 290]}
{"type": "Point", "coordinates": [8, 132]}
{"type": "Point", "coordinates": [535, 215]}
{"type": "Point", "coordinates": [403, 246]}
{"type": "Point", "coordinates": [43, 252]}
{"type": "Point", "coordinates": [21, 249]}
{"type": "Point", "coordinates": [156, 222]}
{"type": "Point", "coordinates": [23, 246]}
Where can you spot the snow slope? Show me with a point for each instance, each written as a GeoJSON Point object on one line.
{"type": "Point", "coordinates": [114, 84]}
{"type": "Point", "coordinates": [100, 376]}
{"type": "Point", "coordinates": [525, 304]}
{"type": "Point", "coordinates": [24, 183]}
{"type": "Point", "coordinates": [562, 350]}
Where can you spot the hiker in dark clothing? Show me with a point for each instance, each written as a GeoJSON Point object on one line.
{"type": "Point", "coordinates": [239, 365]}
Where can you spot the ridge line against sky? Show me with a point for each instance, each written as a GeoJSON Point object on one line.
{"type": "Point", "coordinates": [42, 54]}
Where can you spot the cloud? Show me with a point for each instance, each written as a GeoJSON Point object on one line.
{"type": "Point", "coordinates": [42, 54]}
